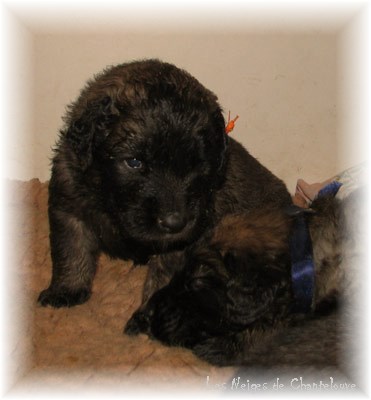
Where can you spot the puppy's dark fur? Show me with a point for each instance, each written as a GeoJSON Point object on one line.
{"type": "Point", "coordinates": [231, 296]}
{"type": "Point", "coordinates": [141, 170]}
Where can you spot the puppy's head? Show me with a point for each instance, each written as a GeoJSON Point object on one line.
{"type": "Point", "coordinates": [190, 309]}
{"type": "Point", "coordinates": [225, 286]}
{"type": "Point", "coordinates": [156, 138]}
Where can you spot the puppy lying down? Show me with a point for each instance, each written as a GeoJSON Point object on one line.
{"type": "Point", "coordinates": [232, 294]}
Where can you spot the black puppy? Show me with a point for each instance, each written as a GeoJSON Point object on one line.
{"type": "Point", "coordinates": [233, 295]}
{"type": "Point", "coordinates": [143, 167]}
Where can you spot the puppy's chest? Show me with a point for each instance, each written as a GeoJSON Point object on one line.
{"type": "Point", "coordinates": [114, 243]}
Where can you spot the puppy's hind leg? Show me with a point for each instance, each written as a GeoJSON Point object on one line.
{"type": "Point", "coordinates": [74, 251]}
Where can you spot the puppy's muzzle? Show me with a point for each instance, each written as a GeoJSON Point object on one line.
{"type": "Point", "coordinates": [173, 222]}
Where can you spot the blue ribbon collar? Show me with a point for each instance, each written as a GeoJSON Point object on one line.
{"type": "Point", "coordinates": [302, 262]}
{"type": "Point", "coordinates": [302, 265]}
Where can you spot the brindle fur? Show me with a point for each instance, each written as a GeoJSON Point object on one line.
{"type": "Point", "coordinates": [142, 169]}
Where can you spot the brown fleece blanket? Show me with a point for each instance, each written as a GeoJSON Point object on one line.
{"type": "Point", "coordinates": [84, 345]}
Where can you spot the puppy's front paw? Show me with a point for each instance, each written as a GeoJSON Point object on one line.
{"type": "Point", "coordinates": [138, 323]}
{"type": "Point", "coordinates": [63, 297]}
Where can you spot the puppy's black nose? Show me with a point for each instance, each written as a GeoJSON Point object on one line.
{"type": "Point", "coordinates": [172, 222]}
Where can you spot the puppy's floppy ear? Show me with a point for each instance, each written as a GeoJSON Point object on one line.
{"type": "Point", "coordinates": [222, 138]}
{"type": "Point", "coordinates": [205, 269]}
{"type": "Point", "coordinates": [91, 128]}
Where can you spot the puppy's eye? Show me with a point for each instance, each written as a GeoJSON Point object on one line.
{"type": "Point", "coordinates": [133, 163]}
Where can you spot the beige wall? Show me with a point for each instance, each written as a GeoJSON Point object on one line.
{"type": "Point", "coordinates": [284, 86]}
